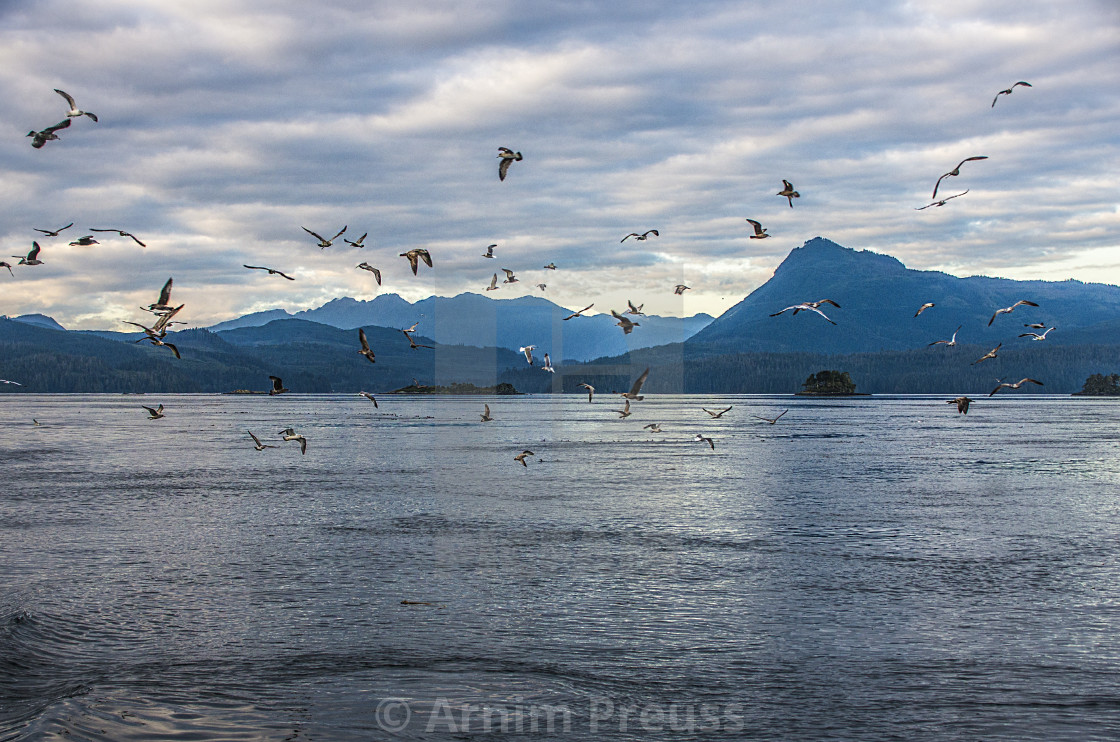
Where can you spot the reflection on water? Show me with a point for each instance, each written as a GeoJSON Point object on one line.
{"type": "Point", "coordinates": [869, 568]}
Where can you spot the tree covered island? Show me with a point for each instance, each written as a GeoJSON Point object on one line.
{"type": "Point", "coordinates": [830, 384]}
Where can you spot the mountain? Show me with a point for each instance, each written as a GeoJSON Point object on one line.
{"type": "Point", "coordinates": [38, 319]}
{"type": "Point", "coordinates": [878, 297]}
{"type": "Point", "coordinates": [472, 319]}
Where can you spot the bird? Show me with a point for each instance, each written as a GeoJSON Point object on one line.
{"type": "Point", "coordinates": [788, 192]}
{"type": "Point", "coordinates": [32, 257]}
{"type": "Point", "coordinates": [154, 413]}
{"type": "Point", "coordinates": [521, 457]}
{"type": "Point", "coordinates": [486, 414]}
{"type": "Point", "coordinates": [635, 310]}
{"type": "Point", "coordinates": [1008, 91]}
{"type": "Point", "coordinates": [717, 414]}
{"type": "Point", "coordinates": [324, 244]}
{"type": "Point", "coordinates": [122, 233]}
{"type": "Point", "coordinates": [548, 365]}
{"type": "Point", "coordinates": [74, 111]}
{"type": "Point", "coordinates": [489, 251]}
{"type": "Point", "coordinates": [507, 156]}
{"type": "Point", "coordinates": [990, 354]}
{"type": "Point", "coordinates": [1016, 385]}
{"type": "Point", "coordinates": [924, 307]}
{"type": "Point", "coordinates": [493, 283]}
{"type": "Point", "coordinates": [54, 232]}
{"type": "Point", "coordinates": [359, 243]}
{"type": "Point", "coordinates": [162, 304]}
{"type": "Point", "coordinates": [414, 256]}
{"type": "Point", "coordinates": [955, 171]}
{"type": "Point", "coordinates": [5, 264]}
{"type": "Point", "coordinates": [510, 278]}
{"type": "Point", "coordinates": [590, 391]}
{"type": "Point", "coordinates": [759, 230]}
{"type": "Point", "coordinates": [8, 381]}
{"type": "Point", "coordinates": [1035, 325]}
{"type": "Point", "coordinates": [271, 271]}
{"type": "Point", "coordinates": [680, 288]}
{"type": "Point", "coordinates": [771, 420]}
{"type": "Point", "coordinates": [1007, 310]}
{"type": "Point", "coordinates": [705, 439]}
{"type": "Point", "coordinates": [625, 411]}
{"type": "Point", "coordinates": [412, 343]}
{"type": "Point", "coordinates": [653, 427]}
{"type": "Point", "coordinates": [257, 442]}
{"type": "Point", "coordinates": [550, 267]}
{"type": "Point", "coordinates": [365, 351]}
{"type": "Point", "coordinates": [579, 313]}
{"type": "Point", "coordinates": [643, 236]}
{"type": "Point", "coordinates": [636, 387]}
{"type": "Point", "coordinates": [1035, 335]}
{"type": "Point", "coordinates": [962, 404]}
{"type": "Point", "coordinates": [367, 267]}
{"type": "Point", "coordinates": [542, 286]}
{"type": "Point", "coordinates": [277, 386]}
{"type": "Point", "coordinates": [948, 343]}
{"type": "Point", "coordinates": [39, 138]}
{"type": "Point", "coordinates": [809, 306]}
{"type": "Point", "coordinates": [942, 201]}
{"type": "Point", "coordinates": [528, 351]}
{"type": "Point", "coordinates": [410, 330]}
{"type": "Point", "coordinates": [291, 435]}
{"type": "Point", "coordinates": [370, 397]}
{"type": "Point", "coordinates": [624, 322]}
{"type": "Point", "coordinates": [85, 241]}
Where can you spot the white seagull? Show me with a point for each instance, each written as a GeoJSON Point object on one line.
{"type": "Point", "coordinates": [74, 111]}
{"type": "Point", "coordinates": [948, 343]}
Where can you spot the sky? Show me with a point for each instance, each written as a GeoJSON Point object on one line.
{"type": "Point", "coordinates": [225, 126]}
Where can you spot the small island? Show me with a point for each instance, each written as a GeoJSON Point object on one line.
{"type": "Point", "coordinates": [830, 384]}
{"type": "Point", "coordinates": [456, 388]}
{"type": "Point", "coordinates": [1099, 385]}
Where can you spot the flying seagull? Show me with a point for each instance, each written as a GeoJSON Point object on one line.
{"type": "Point", "coordinates": [414, 256]}
{"type": "Point", "coordinates": [359, 243]}
{"type": "Point", "coordinates": [74, 111]}
{"type": "Point", "coordinates": [771, 420]}
{"type": "Point", "coordinates": [53, 233]}
{"type": "Point", "coordinates": [46, 135]}
{"type": "Point", "coordinates": [162, 303]}
{"type": "Point", "coordinates": [955, 171]}
{"type": "Point", "coordinates": [579, 313]}
{"type": "Point", "coordinates": [924, 307]}
{"type": "Point", "coordinates": [493, 283]}
{"type": "Point", "coordinates": [636, 387]}
{"type": "Point", "coordinates": [486, 414]}
{"type": "Point", "coordinates": [550, 267]}
{"type": "Point", "coordinates": [1007, 310]}
{"type": "Point", "coordinates": [625, 323]}
{"type": "Point", "coordinates": [290, 435]}
{"type": "Point", "coordinates": [257, 442]}
{"type": "Point", "coordinates": [942, 201]}
{"type": "Point", "coordinates": [85, 241]}
{"type": "Point", "coordinates": [653, 427]}
{"type": "Point", "coordinates": [590, 391]}
{"type": "Point", "coordinates": [323, 243]}
{"type": "Point", "coordinates": [122, 233]}
{"type": "Point", "coordinates": [759, 230]}
{"type": "Point", "coordinates": [990, 354]}
{"type": "Point", "coordinates": [962, 404]}
{"type": "Point", "coordinates": [506, 156]}
{"type": "Point", "coordinates": [510, 278]}
{"type": "Point", "coordinates": [1035, 335]}
{"type": "Point", "coordinates": [542, 286]}
{"type": "Point", "coordinates": [1008, 91]}
{"type": "Point", "coordinates": [681, 288]}
{"type": "Point", "coordinates": [271, 271]}
{"type": "Point", "coordinates": [643, 236]}
{"type": "Point", "coordinates": [528, 351]}
{"type": "Point", "coordinates": [365, 351]}
{"type": "Point", "coordinates": [277, 386]}
{"type": "Point", "coordinates": [788, 192]}
{"type": "Point", "coordinates": [635, 310]}
{"type": "Point", "coordinates": [548, 365]}
{"type": "Point", "coordinates": [6, 264]}
{"type": "Point", "coordinates": [809, 306]}
{"type": "Point", "coordinates": [1035, 325]}
{"type": "Point", "coordinates": [705, 439]}
{"type": "Point", "coordinates": [154, 413]}
{"type": "Point", "coordinates": [948, 343]}
{"type": "Point", "coordinates": [7, 381]}
{"type": "Point", "coordinates": [489, 251]}
{"type": "Point", "coordinates": [625, 411]}
{"type": "Point", "coordinates": [32, 257]}
{"type": "Point", "coordinates": [717, 414]}
{"type": "Point", "coordinates": [370, 397]}
{"type": "Point", "coordinates": [521, 457]}
{"type": "Point", "coordinates": [1016, 385]}
{"type": "Point", "coordinates": [376, 273]}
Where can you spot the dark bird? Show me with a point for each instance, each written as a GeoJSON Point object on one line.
{"type": "Point", "coordinates": [1008, 310]}
{"type": "Point", "coordinates": [359, 243]}
{"type": "Point", "coordinates": [370, 397]}
{"type": "Point", "coordinates": [74, 111]}
{"type": "Point", "coordinates": [510, 278]}
{"type": "Point", "coordinates": [625, 411]}
{"type": "Point", "coordinates": [376, 273]}
{"type": "Point", "coordinates": [705, 439]}
{"type": "Point", "coordinates": [5, 264]}
{"type": "Point", "coordinates": [53, 233]}
{"type": "Point", "coordinates": [636, 387]}
{"type": "Point", "coordinates": [507, 156]}
{"type": "Point", "coordinates": [955, 171]}
{"type": "Point", "coordinates": [416, 255]}
{"type": "Point", "coordinates": [1008, 91]}
{"type": "Point", "coordinates": [771, 420]}
{"type": "Point", "coordinates": [412, 343]}
{"type": "Point", "coordinates": [32, 257]}
{"type": "Point", "coordinates": [948, 343]}
{"type": "Point", "coordinates": [924, 307]}
{"type": "Point", "coordinates": [46, 135]}
{"type": "Point", "coordinates": [1035, 325]}
{"type": "Point", "coordinates": [154, 413]}
{"type": "Point", "coordinates": [85, 241]}
{"type": "Point", "coordinates": [717, 414]}
{"type": "Point", "coordinates": [122, 233]}
{"type": "Point", "coordinates": [365, 351]}
{"type": "Point", "coordinates": [681, 288]}
{"type": "Point", "coordinates": [625, 323]}
{"type": "Point", "coordinates": [579, 313]}
{"type": "Point", "coordinates": [990, 354]}
{"type": "Point", "coordinates": [643, 236]}
{"type": "Point", "coordinates": [489, 251]}
{"type": "Point", "coordinates": [759, 230]}
{"type": "Point", "coordinates": [788, 192]}
{"type": "Point", "coordinates": [163, 303]}
{"type": "Point", "coordinates": [942, 201]}
{"type": "Point", "coordinates": [271, 271]}
{"type": "Point", "coordinates": [277, 386]}
{"type": "Point", "coordinates": [323, 243]}
{"type": "Point", "coordinates": [1016, 385]}
{"type": "Point", "coordinates": [962, 404]}
{"type": "Point", "coordinates": [291, 435]}
{"type": "Point", "coordinates": [635, 310]}
{"type": "Point", "coordinates": [550, 267]}
{"type": "Point", "coordinates": [158, 341]}
{"type": "Point", "coordinates": [521, 457]}
{"type": "Point", "coordinates": [257, 442]}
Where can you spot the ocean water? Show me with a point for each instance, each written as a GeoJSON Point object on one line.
{"type": "Point", "coordinates": [866, 569]}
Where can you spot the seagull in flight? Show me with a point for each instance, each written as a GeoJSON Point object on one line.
{"type": "Point", "coordinates": [7, 381]}
{"type": "Point", "coordinates": [636, 387]}
{"type": "Point", "coordinates": [507, 156]}
{"type": "Point", "coordinates": [291, 435]}
{"type": "Point", "coordinates": [32, 257]}
{"type": "Point", "coordinates": [359, 243]}
{"type": "Point", "coordinates": [771, 420]}
{"type": "Point", "coordinates": [1007, 310]}
{"type": "Point", "coordinates": [788, 192]}
{"type": "Point", "coordinates": [486, 414]}
{"type": "Point", "coordinates": [990, 354]}
{"type": "Point", "coordinates": [955, 171]}
{"type": "Point", "coordinates": [579, 313]}
{"type": "Point", "coordinates": [590, 391]}
{"type": "Point", "coordinates": [653, 427]}
{"type": "Point", "coordinates": [550, 267]}
{"type": "Point", "coordinates": [510, 278]}
{"type": "Point", "coordinates": [154, 413]}
{"type": "Point", "coordinates": [942, 201]}
{"type": "Point", "coordinates": [522, 456]}
{"type": "Point", "coordinates": [376, 273]}
{"type": "Point", "coordinates": [625, 323]}
{"type": "Point", "coordinates": [414, 256]}
{"type": "Point", "coordinates": [365, 351]}
{"type": "Point", "coordinates": [759, 230]}
{"type": "Point", "coordinates": [370, 397]}
{"type": "Point", "coordinates": [6, 264]}
{"type": "Point", "coordinates": [717, 414]}
{"type": "Point", "coordinates": [950, 342]}
{"type": "Point", "coordinates": [1035, 335]}
{"type": "Point", "coordinates": [1008, 91]}
{"type": "Point", "coordinates": [635, 310]}
{"type": "Point", "coordinates": [85, 241]}
{"type": "Point", "coordinates": [1016, 385]}
{"type": "Point", "coordinates": [680, 288]}
{"type": "Point", "coordinates": [548, 365]}
{"type": "Point", "coordinates": [809, 306]}
{"type": "Point", "coordinates": [277, 386]}
{"type": "Point", "coordinates": [271, 271]}
{"type": "Point", "coordinates": [39, 138]}
{"type": "Point", "coordinates": [924, 307]}
{"type": "Point", "coordinates": [257, 442]}
{"type": "Point", "coordinates": [74, 111]}
{"type": "Point", "coordinates": [412, 343]}
{"type": "Point", "coordinates": [528, 351]}
{"type": "Point", "coordinates": [493, 283]}
{"type": "Point", "coordinates": [489, 251]}
{"type": "Point", "coordinates": [324, 243]}
{"type": "Point", "coordinates": [962, 404]}
{"type": "Point", "coordinates": [705, 439]}
{"type": "Point", "coordinates": [641, 237]}
{"type": "Point", "coordinates": [542, 286]}
{"type": "Point", "coordinates": [163, 302]}
{"type": "Point", "coordinates": [53, 233]}
{"type": "Point", "coordinates": [122, 233]}
{"type": "Point", "coordinates": [157, 340]}
{"type": "Point", "coordinates": [625, 411]}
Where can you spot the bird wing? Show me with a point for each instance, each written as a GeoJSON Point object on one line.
{"type": "Point", "coordinates": [508, 272]}
{"type": "Point", "coordinates": [486, 409]}
{"type": "Point", "coordinates": [255, 438]}
{"type": "Point", "coordinates": [34, 253]}
{"type": "Point", "coordinates": [332, 239]}
{"type": "Point", "coordinates": [637, 387]}
{"type": "Point", "coordinates": [255, 267]}
{"type": "Point", "coordinates": [277, 383]}
{"type": "Point", "coordinates": [56, 127]}
{"type": "Point", "coordinates": [411, 255]}
{"type": "Point", "coordinates": [503, 168]}
{"type": "Point", "coordinates": [362, 339]}
{"type": "Point", "coordinates": [68, 98]}
{"type": "Point", "coordinates": [173, 349]}
{"type": "Point", "coordinates": [165, 293]}
{"type": "Point", "coordinates": [1025, 303]}
{"type": "Point", "coordinates": [494, 281]}
{"type": "Point", "coordinates": [938, 184]}
{"type": "Point", "coordinates": [757, 226]}
{"type": "Point", "coordinates": [313, 234]}
{"type": "Point", "coordinates": [821, 314]}
{"type": "Point", "coordinates": [426, 257]}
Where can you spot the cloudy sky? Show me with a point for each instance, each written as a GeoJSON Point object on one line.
{"type": "Point", "coordinates": [226, 125]}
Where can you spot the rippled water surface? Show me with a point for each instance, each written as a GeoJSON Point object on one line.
{"type": "Point", "coordinates": [865, 569]}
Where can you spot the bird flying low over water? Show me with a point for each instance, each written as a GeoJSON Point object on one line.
{"type": "Point", "coordinates": [277, 386]}
{"type": "Point", "coordinates": [625, 323]}
{"type": "Point", "coordinates": [53, 232]}
{"type": "Point", "coordinates": [414, 256]}
{"type": "Point", "coordinates": [625, 411]}
{"type": "Point", "coordinates": [1035, 335]}
{"type": "Point", "coordinates": [962, 404]}
{"type": "Point", "coordinates": [154, 413]}
{"type": "Point", "coordinates": [528, 351]}
{"type": "Point", "coordinates": [548, 365]}
{"type": "Point", "coordinates": [759, 230]}
{"type": "Point", "coordinates": [942, 201]}
{"type": "Point", "coordinates": [1008, 91]}
{"type": "Point", "coordinates": [955, 171]}
{"type": "Point", "coordinates": [809, 306]}
{"type": "Point", "coordinates": [590, 391]}
{"type": "Point", "coordinates": [291, 435]}
{"type": "Point", "coordinates": [271, 271]}
{"type": "Point", "coordinates": [788, 192]}
{"type": "Point", "coordinates": [652, 427]}
{"type": "Point", "coordinates": [359, 243]}
{"type": "Point", "coordinates": [522, 456]}
{"type": "Point", "coordinates": [949, 343]}
{"type": "Point", "coordinates": [680, 288]}
{"type": "Point", "coordinates": [370, 397]}
{"type": "Point", "coordinates": [771, 420]}
{"type": "Point", "coordinates": [716, 414]}
{"type": "Point", "coordinates": [924, 307]}
{"type": "Point", "coordinates": [257, 442]}
{"type": "Point", "coordinates": [486, 414]}
{"type": "Point", "coordinates": [1007, 310]}
{"type": "Point", "coordinates": [1016, 385]}
{"type": "Point", "coordinates": [39, 138]}
{"type": "Point", "coordinates": [579, 313]}
{"type": "Point", "coordinates": [990, 354]}
{"type": "Point", "coordinates": [365, 351]}
{"type": "Point", "coordinates": [324, 243]}
{"type": "Point", "coordinates": [507, 156]}
{"type": "Point", "coordinates": [376, 273]}
{"type": "Point", "coordinates": [122, 233]}
{"type": "Point", "coordinates": [636, 387]}
{"type": "Point", "coordinates": [74, 111]}
{"type": "Point", "coordinates": [32, 257]}
{"type": "Point", "coordinates": [489, 251]}
{"type": "Point", "coordinates": [643, 236]}
{"type": "Point", "coordinates": [705, 439]}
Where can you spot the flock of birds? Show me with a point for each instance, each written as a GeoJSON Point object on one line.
{"type": "Point", "coordinates": [164, 311]}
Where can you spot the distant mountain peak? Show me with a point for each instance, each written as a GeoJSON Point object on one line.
{"type": "Point", "coordinates": [38, 319]}
{"type": "Point", "coordinates": [820, 253]}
